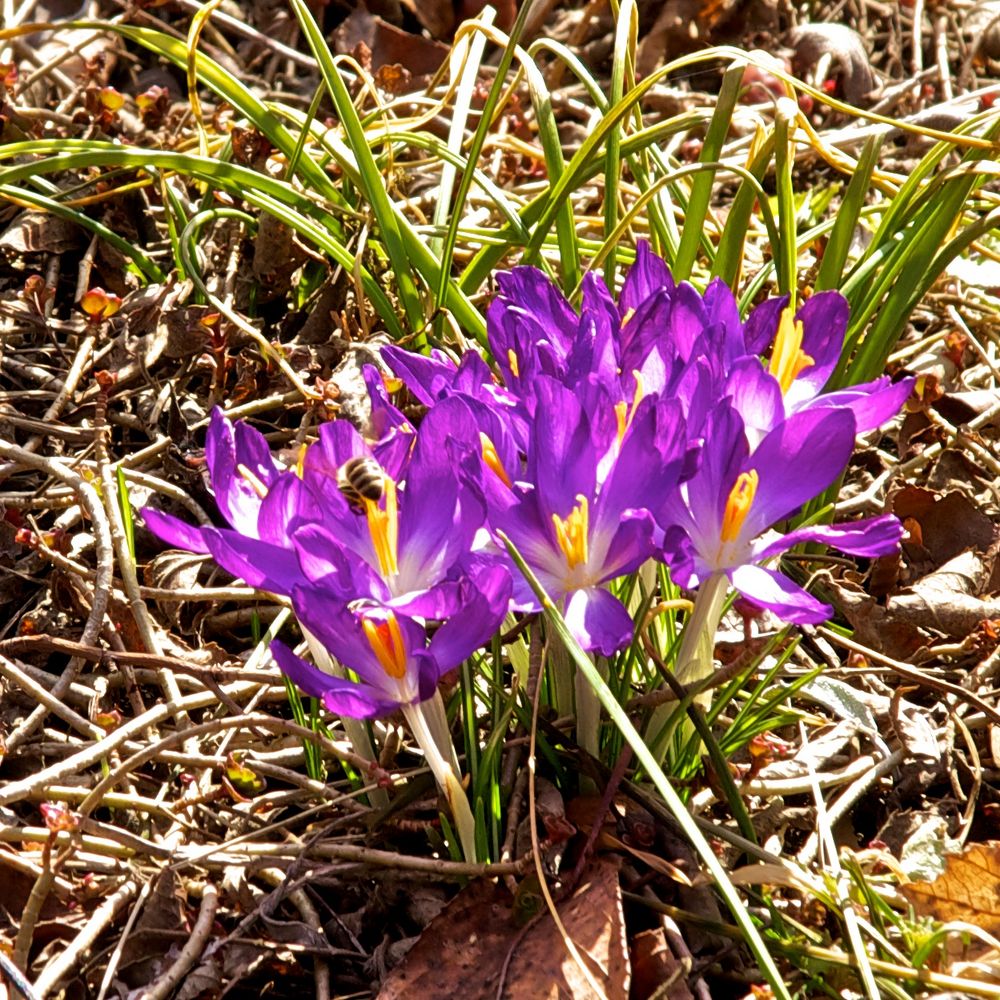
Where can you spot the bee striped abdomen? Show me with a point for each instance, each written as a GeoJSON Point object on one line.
{"type": "Point", "coordinates": [361, 479]}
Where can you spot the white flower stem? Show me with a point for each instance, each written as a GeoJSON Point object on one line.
{"type": "Point", "coordinates": [588, 711]}
{"type": "Point", "coordinates": [561, 674]}
{"type": "Point", "coordinates": [696, 655]}
{"type": "Point", "coordinates": [444, 775]}
{"type": "Point", "coordinates": [436, 718]}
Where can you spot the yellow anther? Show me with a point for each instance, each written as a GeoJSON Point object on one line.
{"type": "Point", "coordinates": [623, 412]}
{"type": "Point", "coordinates": [300, 462]}
{"type": "Point", "coordinates": [512, 362]}
{"type": "Point", "coordinates": [386, 641]}
{"type": "Point", "coordinates": [738, 505]}
{"type": "Point", "coordinates": [492, 460]}
{"type": "Point", "coordinates": [628, 315]}
{"type": "Point", "coordinates": [572, 532]}
{"type": "Point", "coordinates": [383, 526]}
{"type": "Point", "coordinates": [787, 358]}
{"type": "Point", "coordinates": [391, 383]}
{"type": "Point", "coordinates": [258, 487]}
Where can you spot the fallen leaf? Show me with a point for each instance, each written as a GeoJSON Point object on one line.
{"type": "Point", "coordinates": [655, 970]}
{"type": "Point", "coordinates": [967, 893]}
{"type": "Point", "coordinates": [462, 953]}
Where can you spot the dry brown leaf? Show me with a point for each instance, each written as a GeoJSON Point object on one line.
{"type": "Point", "coordinates": [968, 892]}
{"type": "Point", "coordinates": [388, 45]}
{"type": "Point", "coordinates": [656, 972]}
{"type": "Point", "coordinates": [969, 889]}
{"type": "Point", "coordinates": [463, 951]}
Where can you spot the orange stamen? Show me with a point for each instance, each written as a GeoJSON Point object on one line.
{"type": "Point", "coordinates": [386, 641]}
{"type": "Point", "coordinates": [383, 526]}
{"type": "Point", "coordinates": [492, 460]}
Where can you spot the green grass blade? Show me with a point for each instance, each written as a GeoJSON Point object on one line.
{"type": "Point", "coordinates": [831, 268]}
{"type": "Point", "coordinates": [476, 145]}
{"type": "Point", "coordinates": [125, 505]}
{"type": "Point", "coordinates": [729, 256]}
{"type": "Point", "coordinates": [696, 212]}
{"type": "Point", "coordinates": [697, 839]}
{"type": "Point", "coordinates": [625, 38]}
{"type": "Point", "coordinates": [280, 199]}
{"type": "Point", "coordinates": [785, 254]}
{"type": "Point", "coordinates": [145, 265]}
{"type": "Point", "coordinates": [372, 184]}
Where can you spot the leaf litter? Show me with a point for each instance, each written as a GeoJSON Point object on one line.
{"type": "Point", "coordinates": [317, 893]}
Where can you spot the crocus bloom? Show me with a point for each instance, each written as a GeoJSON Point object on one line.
{"type": "Point", "coordinates": [398, 668]}
{"type": "Point", "coordinates": [581, 518]}
{"type": "Point", "coordinates": [408, 550]}
{"type": "Point", "coordinates": [396, 664]}
{"type": "Point", "coordinates": [805, 349]}
{"type": "Point", "coordinates": [718, 525]}
{"type": "Point", "coordinates": [257, 497]}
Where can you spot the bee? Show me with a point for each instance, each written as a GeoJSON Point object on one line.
{"type": "Point", "coordinates": [361, 479]}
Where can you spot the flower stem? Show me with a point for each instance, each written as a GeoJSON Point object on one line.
{"type": "Point", "coordinates": [696, 655]}
{"type": "Point", "coordinates": [444, 775]}
{"type": "Point", "coordinates": [436, 717]}
{"type": "Point", "coordinates": [561, 674]}
{"type": "Point", "coordinates": [588, 714]}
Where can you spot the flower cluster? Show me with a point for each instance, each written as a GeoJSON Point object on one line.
{"type": "Point", "coordinates": [658, 426]}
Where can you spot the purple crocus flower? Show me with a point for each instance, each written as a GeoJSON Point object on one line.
{"type": "Point", "coordinates": [395, 660]}
{"type": "Point", "coordinates": [805, 349]}
{"type": "Point", "coordinates": [408, 550]}
{"type": "Point", "coordinates": [717, 526]}
{"type": "Point", "coordinates": [580, 519]}
{"type": "Point", "coordinates": [258, 498]}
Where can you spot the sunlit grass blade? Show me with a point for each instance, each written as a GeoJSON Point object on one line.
{"type": "Point", "coordinates": [786, 253]}
{"type": "Point", "coordinates": [475, 148]}
{"type": "Point", "coordinates": [299, 212]}
{"type": "Point", "coordinates": [621, 61]}
{"type": "Point", "coordinates": [838, 245]}
{"type": "Point", "coordinates": [125, 504]}
{"type": "Point", "coordinates": [145, 265]}
{"type": "Point", "coordinates": [696, 211]}
{"type": "Point", "coordinates": [729, 254]}
{"type": "Point", "coordinates": [372, 183]}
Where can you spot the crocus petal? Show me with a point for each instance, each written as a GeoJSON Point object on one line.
{"type": "Point", "coordinates": [874, 536]}
{"type": "Point", "coordinates": [484, 606]}
{"type": "Point", "coordinates": [824, 323]}
{"type": "Point", "coordinates": [562, 463]}
{"type": "Point", "coordinates": [260, 564]}
{"type": "Point", "coordinates": [427, 378]}
{"type": "Point", "coordinates": [796, 462]}
{"type": "Point", "coordinates": [872, 403]}
{"type": "Point", "coordinates": [762, 324]}
{"type": "Point", "coordinates": [306, 677]}
{"type": "Point", "coordinates": [598, 621]}
{"type": "Point", "coordinates": [623, 549]}
{"type": "Point", "coordinates": [325, 559]}
{"type": "Point", "coordinates": [757, 397]}
{"type": "Point", "coordinates": [174, 531]}
{"type": "Point", "coordinates": [648, 275]}
{"type": "Point", "coordinates": [340, 696]}
{"type": "Point", "coordinates": [226, 450]}
{"type": "Point", "coordinates": [774, 591]}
